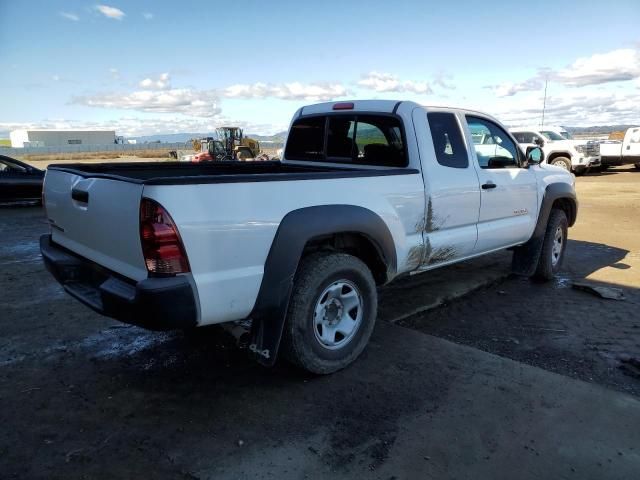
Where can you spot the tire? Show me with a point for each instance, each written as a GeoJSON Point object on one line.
{"type": "Point", "coordinates": [322, 283]}
{"type": "Point", "coordinates": [604, 168]}
{"type": "Point", "coordinates": [562, 162]}
{"type": "Point", "coordinates": [554, 246]}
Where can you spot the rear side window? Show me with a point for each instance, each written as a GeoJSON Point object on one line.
{"type": "Point", "coordinates": [375, 140]}
{"type": "Point", "coordinates": [447, 140]}
{"type": "Point", "coordinates": [306, 139]}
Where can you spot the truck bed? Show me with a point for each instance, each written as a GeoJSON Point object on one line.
{"type": "Point", "coordinates": [171, 173]}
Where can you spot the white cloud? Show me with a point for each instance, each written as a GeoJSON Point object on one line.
{"type": "Point", "coordinates": [386, 82]}
{"type": "Point", "coordinates": [508, 89]}
{"type": "Point", "coordinates": [580, 108]}
{"type": "Point", "coordinates": [110, 12]}
{"type": "Point", "coordinates": [70, 16]}
{"type": "Point", "coordinates": [314, 92]}
{"type": "Point", "coordinates": [615, 66]}
{"type": "Point", "coordinates": [115, 73]}
{"type": "Point", "coordinates": [600, 68]}
{"type": "Point", "coordinates": [196, 103]}
{"type": "Point", "coordinates": [163, 82]}
{"type": "Point", "coordinates": [148, 15]}
{"type": "Point", "coordinates": [443, 80]}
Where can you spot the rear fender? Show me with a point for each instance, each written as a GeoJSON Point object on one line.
{"type": "Point", "coordinates": [296, 229]}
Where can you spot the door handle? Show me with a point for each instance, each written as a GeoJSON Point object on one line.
{"type": "Point", "coordinates": [81, 196]}
{"type": "Point", "coordinates": [488, 185]}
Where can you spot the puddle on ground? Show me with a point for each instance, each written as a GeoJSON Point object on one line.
{"type": "Point", "coordinates": [21, 252]}
{"type": "Point", "coordinates": [563, 281]}
{"type": "Point", "coordinates": [123, 341]}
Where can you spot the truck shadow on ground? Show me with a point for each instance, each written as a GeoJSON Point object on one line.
{"type": "Point", "coordinates": [613, 171]}
{"type": "Point", "coordinates": [552, 325]}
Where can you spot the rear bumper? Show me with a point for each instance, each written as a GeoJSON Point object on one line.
{"type": "Point", "coordinates": [153, 303]}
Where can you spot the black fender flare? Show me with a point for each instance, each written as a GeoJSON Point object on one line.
{"type": "Point", "coordinates": [525, 257]}
{"type": "Point", "coordinates": [295, 230]}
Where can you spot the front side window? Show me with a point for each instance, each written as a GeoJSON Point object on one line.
{"type": "Point", "coordinates": [566, 135]}
{"type": "Point", "coordinates": [521, 137]}
{"type": "Point", "coordinates": [551, 135]}
{"type": "Point", "coordinates": [359, 139]}
{"type": "Point", "coordinates": [494, 148]}
{"type": "Point", "coordinates": [447, 140]}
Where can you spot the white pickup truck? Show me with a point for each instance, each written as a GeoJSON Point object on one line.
{"type": "Point", "coordinates": [367, 191]}
{"type": "Point", "coordinates": [578, 156]}
{"type": "Point", "coordinates": [626, 152]}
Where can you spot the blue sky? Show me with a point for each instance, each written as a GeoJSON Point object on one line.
{"type": "Point", "coordinates": [146, 67]}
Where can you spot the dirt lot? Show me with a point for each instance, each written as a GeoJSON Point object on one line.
{"type": "Point", "coordinates": [82, 396]}
{"type": "Point", "coordinates": [554, 326]}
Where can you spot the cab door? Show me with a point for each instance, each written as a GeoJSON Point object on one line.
{"type": "Point", "coordinates": [508, 192]}
{"type": "Point", "coordinates": [451, 188]}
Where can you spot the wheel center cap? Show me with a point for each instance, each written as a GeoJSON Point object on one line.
{"type": "Point", "coordinates": [333, 311]}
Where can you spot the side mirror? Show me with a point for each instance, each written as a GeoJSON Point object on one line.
{"type": "Point", "coordinates": [535, 156]}
{"type": "Point", "coordinates": [538, 141]}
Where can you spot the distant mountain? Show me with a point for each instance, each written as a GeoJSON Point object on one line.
{"type": "Point", "coordinates": [599, 129]}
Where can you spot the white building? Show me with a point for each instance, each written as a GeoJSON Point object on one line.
{"type": "Point", "coordinates": [56, 138]}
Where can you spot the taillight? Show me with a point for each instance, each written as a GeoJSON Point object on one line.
{"type": "Point", "coordinates": [161, 243]}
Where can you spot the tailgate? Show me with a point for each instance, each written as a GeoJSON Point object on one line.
{"type": "Point", "coordinates": [98, 219]}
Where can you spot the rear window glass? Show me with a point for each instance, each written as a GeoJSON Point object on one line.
{"type": "Point", "coordinates": [306, 139]}
{"type": "Point", "coordinates": [375, 140]}
{"type": "Point", "coordinates": [447, 140]}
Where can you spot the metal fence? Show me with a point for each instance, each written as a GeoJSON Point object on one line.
{"type": "Point", "coordinates": [95, 148]}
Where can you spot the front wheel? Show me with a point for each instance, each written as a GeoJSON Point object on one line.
{"type": "Point", "coordinates": [332, 312]}
{"type": "Point", "coordinates": [562, 162]}
{"type": "Point", "coordinates": [553, 247]}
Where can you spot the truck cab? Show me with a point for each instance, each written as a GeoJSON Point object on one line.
{"type": "Point", "coordinates": [573, 155]}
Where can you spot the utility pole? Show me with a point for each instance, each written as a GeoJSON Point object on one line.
{"type": "Point", "coordinates": [544, 102]}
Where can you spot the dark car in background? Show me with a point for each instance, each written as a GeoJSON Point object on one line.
{"type": "Point", "coordinates": [19, 182]}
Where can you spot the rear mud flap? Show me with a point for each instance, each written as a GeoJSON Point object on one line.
{"type": "Point", "coordinates": [267, 327]}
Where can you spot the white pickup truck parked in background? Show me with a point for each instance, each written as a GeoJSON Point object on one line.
{"type": "Point", "coordinates": [367, 191]}
{"type": "Point", "coordinates": [626, 152]}
{"type": "Point", "coordinates": [573, 155]}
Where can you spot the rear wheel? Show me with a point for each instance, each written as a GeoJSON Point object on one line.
{"type": "Point", "coordinates": [562, 162]}
{"type": "Point", "coordinates": [553, 246]}
{"type": "Point", "coordinates": [331, 314]}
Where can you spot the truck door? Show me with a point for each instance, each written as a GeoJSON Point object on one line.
{"type": "Point", "coordinates": [508, 192]}
{"type": "Point", "coordinates": [631, 146]}
{"type": "Point", "coordinates": [452, 188]}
